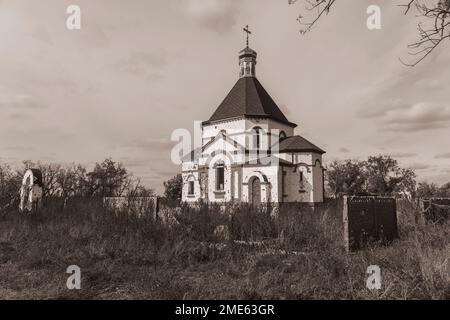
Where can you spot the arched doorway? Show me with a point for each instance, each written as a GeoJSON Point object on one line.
{"type": "Point", "coordinates": [255, 191]}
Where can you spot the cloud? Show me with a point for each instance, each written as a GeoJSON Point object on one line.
{"type": "Point", "coordinates": [141, 63]}
{"type": "Point", "coordinates": [417, 117]}
{"type": "Point", "coordinates": [20, 101]}
{"type": "Point", "coordinates": [166, 172]}
{"type": "Point", "coordinates": [91, 35]}
{"type": "Point", "coordinates": [432, 84]}
{"type": "Point", "coordinates": [133, 163]}
{"type": "Point", "coordinates": [403, 154]}
{"type": "Point", "coordinates": [419, 166]}
{"type": "Point", "coordinates": [376, 110]}
{"type": "Point", "coordinates": [152, 144]}
{"type": "Point", "coordinates": [216, 15]}
{"type": "Point", "coordinates": [41, 33]}
{"type": "Point", "coordinates": [19, 116]}
{"type": "Point", "coordinates": [284, 108]}
{"type": "Point", "coordinates": [343, 150]}
{"type": "Point", "coordinates": [442, 156]}
{"type": "Point", "coordinates": [420, 116]}
{"type": "Point", "coordinates": [20, 148]}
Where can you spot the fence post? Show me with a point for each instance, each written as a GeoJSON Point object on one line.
{"type": "Point", "coordinates": [375, 226]}
{"type": "Point", "coordinates": [345, 222]}
{"type": "Point", "coordinates": [156, 208]}
{"type": "Point", "coordinates": [395, 236]}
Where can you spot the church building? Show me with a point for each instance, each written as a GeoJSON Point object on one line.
{"type": "Point", "coordinates": [249, 151]}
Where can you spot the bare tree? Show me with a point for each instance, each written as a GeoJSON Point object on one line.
{"type": "Point", "coordinates": [9, 186]}
{"type": "Point", "coordinates": [108, 179]}
{"type": "Point", "coordinates": [136, 189]}
{"type": "Point", "coordinates": [433, 28]}
{"type": "Point", "coordinates": [316, 8]}
{"type": "Point", "coordinates": [49, 176]}
{"type": "Point", "coordinates": [71, 181]}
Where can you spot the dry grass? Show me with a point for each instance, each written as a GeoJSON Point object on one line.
{"type": "Point", "coordinates": [297, 255]}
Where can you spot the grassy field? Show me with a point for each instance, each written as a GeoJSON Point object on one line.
{"type": "Point", "coordinates": [298, 255]}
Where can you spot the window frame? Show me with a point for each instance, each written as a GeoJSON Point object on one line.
{"type": "Point", "coordinates": [220, 171]}
{"type": "Point", "coordinates": [191, 187]}
{"type": "Point", "coordinates": [256, 135]}
{"type": "Point", "coordinates": [301, 181]}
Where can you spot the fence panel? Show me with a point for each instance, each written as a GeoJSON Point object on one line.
{"type": "Point", "coordinates": [436, 209]}
{"type": "Point", "coordinates": [369, 219]}
{"type": "Point", "coordinates": [135, 205]}
{"type": "Point", "coordinates": [385, 214]}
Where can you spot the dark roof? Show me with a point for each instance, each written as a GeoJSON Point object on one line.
{"type": "Point", "coordinates": [298, 144]}
{"type": "Point", "coordinates": [248, 98]}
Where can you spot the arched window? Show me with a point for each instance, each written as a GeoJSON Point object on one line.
{"type": "Point", "coordinates": [301, 180]}
{"type": "Point", "coordinates": [256, 133]}
{"type": "Point", "coordinates": [220, 176]}
{"type": "Point", "coordinates": [282, 135]}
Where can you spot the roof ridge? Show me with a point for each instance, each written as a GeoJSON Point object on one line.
{"type": "Point", "coordinates": [298, 143]}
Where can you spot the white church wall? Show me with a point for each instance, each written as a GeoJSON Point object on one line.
{"type": "Point", "coordinates": [296, 158]}
{"type": "Point", "coordinates": [221, 146]}
{"type": "Point", "coordinates": [250, 124]}
{"type": "Point", "coordinates": [275, 125]}
{"type": "Point", "coordinates": [240, 131]}
{"type": "Point", "coordinates": [235, 130]}
{"type": "Point", "coordinates": [312, 190]}
{"type": "Point", "coordinates": [284, 156]}
{"type": "Point", "coordinates": [269, 191]}
{"type": "Point", "coordinates": [187, 166]}
{"type": "Point", "coordinates": [215, 195]}
{"type": "Point", "coordinates": [311, 169]}
{"type": "Point", "coordinates": [190, 176]}
{"type": "Point", "coordinates": [293, 190]}
{"type": "Point", "coordinates": [300, 157]}
{"type": "Point", "coordinates": [318, 178]}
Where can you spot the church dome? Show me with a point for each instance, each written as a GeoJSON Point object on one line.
{"type": "Point", "coordinates": [248, 98]}
{"type": "Point", "coordinates": [247, 52]}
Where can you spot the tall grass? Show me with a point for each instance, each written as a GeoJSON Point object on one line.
{"type": "Point", "coordinates": [294, 252]}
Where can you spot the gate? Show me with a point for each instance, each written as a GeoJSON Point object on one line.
{"type": "Point", "coordinates": [369, 219]}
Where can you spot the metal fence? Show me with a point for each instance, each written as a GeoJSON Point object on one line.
{"type": "Point", "coordinates": [436, 209]}
{"type": "Point", "coordinates": [368, 219]}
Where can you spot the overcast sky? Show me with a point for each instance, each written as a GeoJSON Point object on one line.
{"type": "Point", "coordinates": [137, 70]}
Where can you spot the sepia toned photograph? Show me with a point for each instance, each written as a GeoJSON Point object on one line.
{"type": "Point", "coordinates": [225, 155]}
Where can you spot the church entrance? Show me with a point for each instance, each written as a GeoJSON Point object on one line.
{"type": "Point", "coordinates": [255, 194]}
